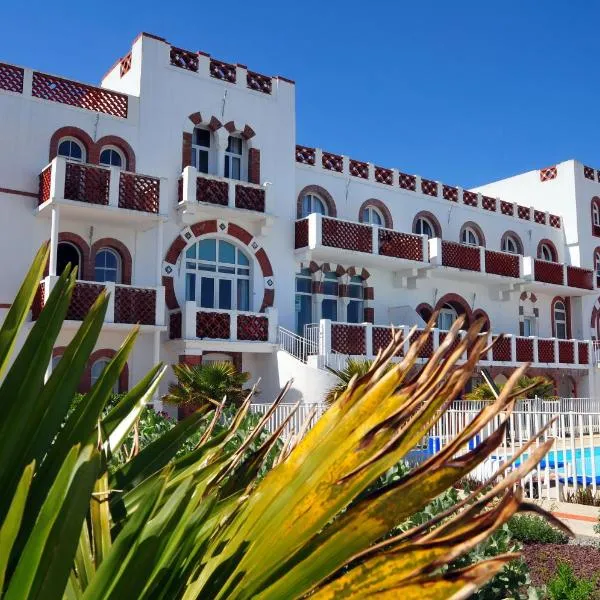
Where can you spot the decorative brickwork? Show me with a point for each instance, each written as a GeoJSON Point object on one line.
{"type": "Point", "coordinates": [348, 339]}
{"type": "Point", "coordinates": [135, 305]}
{"type": "Point", "coordinates": [120, 143]}
{"type": "Point", "coordinates": [139, 192]}
{"type": "Point", "coordinates": [545, 351]}
{"type": "Point", "coordinates": [381, 207]}
{"type": "Point", "coordinates": [426, 350]}
{"type": "Point", "coordinates": [384, 176]}
{"type": "Point", "coordinates": [584, 357]}
{"type": "Point", "coordinates": [86, 183]}
{"type": "Point", "coordinates": [84, 295]}
{"type": "Point", "coordinates": [507, 208]}
{"type": "Point", "coordinates": [524, 349]}
{"type": "Point", "coordinates": [580, 278]}
{"type": "Point", "coordinates": [429, 187]}
{"type": "Point", "coordinates": [222, 70]}
{"type": "Point", "coordinates": [539, 217]}
{"type": "Point", "coordinates": [213, 325]}
{"type": "Point", "coordinates": [589, 173]}
{"type": "Point", "coordinates": [523, 212]}
{"type": "Point", "coordinates": [38, 302]}
{"type": "Point", "coordinates": [175, 325]}
{"type": "Point", "coordinates": [548, 173]}
{"type": "Point", "coordinates": [184, 59]}
{"type": "Point", "coordinates": [407, 182]}
{"type": "Point", "coordinates": [469, 198]}
{"type": "Point", "coordinates": [212, 191]}
{"type": "Point", "coordinates": [400, 245]}
{"type": "Point", "coordinates": [45, 180]}
{"type": "Point", "coordinates": [250, 198]}
{"type": "Point", "coordinates": [382, 338]}
{"type": "Point", "coordinates": [11, 78]}
{"type": "Point", "coordinates": [548, 272]}
{"type": "Point", "coordinates": [460, 256]}
{"type": "Point", "coordinates": [488, 203]}
{"type": "Point", "coordinates": [501, 349]}
{"type": "Point", "coordinates": [453, 345]}
{"type": "Point", "coordinates": [344, 234]}
{"type": "Point", "coordinates": [566, 352]}
{"type": "Point", "coordinates": [301, 233]}
{"type": "Point", "coordinates": [501, 263]}
{"type": "Point", "coordinates": [359, 169]}
{"type": "Point", "coordinates": [332, 162]}
{"type": "Point", "coordinates": [125, 65]}
{"type": "Point", "coordinates": [80, 95]}
{"type": "Point", "coordinates": [259, 83]}
{"type": "Point", "coordinates": [254, 165]}
{"type": "Point", "coordinates": [252, 328]}
{"type": "Point", "coordinates": [450, 193]}
{"type": "Point", "coordinates": [322, 193]}
{"type": "Point", "coordinates": [305, 155]}
{"type": "Point", "coordinates": [555, 221]}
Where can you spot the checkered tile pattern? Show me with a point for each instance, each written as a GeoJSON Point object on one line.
{"type": "Point", "coordinates": [589, 173]}
{"type": "Point", "coordinates": [259, 83]}
{"type": "Point", "coordinates": [84, 295]}
{"type": "Point", "coordinates": [580, 278]}
{"type": "Point", "coordinates": [523, 212]}
{"type": "Point", "coordinates": [250, 198]}
{"type": "Point", "coordinates": [359, 169]}
{"type": "Point", "coordinates": [11, 78]}
{"type": "Point", "coordinates": [584, 355]}
{"type": "Point", "coordinates": [305, 155]}
{"type": "Point", "coordinates": [139, 192]}
{"type": "Point", "coordinates": [252, 328]}
{"type": "Point", "coordinates": [332, 162]}
{"type": "Point", "coordinates": [45, 180]}
{"type": "Point", "coordinates": [488, 203]}
{"type": "Point", "coordinates": [450, 193]}
{"type": "Point", "coordinates": [400, 245]}
{"type": "Point", "coordinates": [222, 70]}
{"type": "Point", "coordinates": [175, 325]}
{"type": "Point", "coordinates": [548, 272]}
{"type": "Point", "coordinates": [555, 221]}
{"type": "Point", "coordinates": [87, 183]}
{"type": "Point", "coordinates": [382, 338]}
{"type": "Point", "coordinates": [301, 234]}
{"type": "Point", "coordinates": [566, 352]}
{"type": "Point", "coordinates": [429, 187]}
{"type": "Point", "coordinates": [548, 173]}
{"type": "Point", "coordinates": [135, 305]}
{"type": "Point", "coordinates": [507, 208]}
{"type": "Point", "coordinates": [539, 217]}
{"type": "Point", "coordinates": [348, 339]}
{"type": "Point", "coordinates": [524, 349]}
{"type": "Point", "coordinates": [545, 351]}
{"type": "Point", "coordinates": [407, 182]}
{"type": "Point", "coordinates": [469, 198]}
{"type": "Point", "coordinates": [344, 234]}
{"type": "Point", "coordinates": [384, 175]}
{"type": "Point", "coordinates": [212, 191]}
{"type": "Point", "coordinates": [460, 256]}
{"type": "Point", "coordinates": [501, 349]}
{"type": "Point", "coordinates": [212, 325]}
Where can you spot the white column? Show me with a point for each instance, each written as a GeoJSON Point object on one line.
{"type": "Point", "coordinates": [435, 251]}
{"type": "Point", "coordinates": [159, 313]}
{"type": "Point", "coordinates": [272, 317]}
{"type": "Point", "coordinates": [513, 349]}
{"type": "Point", "coordinates": [54, 231]}
{"type": "Point", "coordinates": [57, 181]}
{"type": "Point", "coordinates": [233, 335]}
{"type": "Point", "coordinates": [315, 227]}
{"type": "Point", "coordinates": [324, 337]}
{"type": "Point", "coordinates": [159, 252]}
{"type": "Point", "coordinates": [190, 176]}
{"type": "Point", "coordinates": [189, 320]}
{"type": "Point", "coordinates": [113, 186]}
{"type": "Point", "coordinates": [481, 259]}
{"type": "Point", "coordinates": [110, 310]}
{"type": "Point", "coordinates": [368, 339]}
{"type": "Point", "coordinates": [575, 352]}
{"type": "Point", "coordinates": [231, 193]}
{"type": "Point", "coordinates": [436, 338]}
{"type": "Point", "coordinates": [535, 350]}
{"type": "Point", "coordinates": [156, 401]}
{"type": "Point", "coordinates": [375, 239]}
{"type": "Point", "coordinates": [27, 82]}
{"type": "Point", "coordinates": [556, 359]}
{"type": "Point", "coordinates": [319, 158]}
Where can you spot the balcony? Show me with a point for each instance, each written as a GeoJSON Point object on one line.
{"type": "Point", "coordinates": [202, 195]}
{"type": "Point", "coordinates": [545, 276]}
{"type": "Point", "coordinates": [127, 305]}
{"type": "Point", "coordinates": [87, 191]}
{"type": "Point", "coordinates": [365, 340]}
{"type": "Point", "coordinates": [324, 238]}
{"type": "Point", "coordinates": [214, 330]}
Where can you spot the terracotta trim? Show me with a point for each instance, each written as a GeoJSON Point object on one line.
{"type": "Point", "coordinates": [550, 245]}
{"type": "Point", "coordinates": [477, 230]}
{"type": "Point", "coordinates": [431, 218]}
{"type": "Point", "coordinates": [323, 194]}
{"type": "Point", "coordinates": [516, 237]}
{"type": "Point", "coordinates": [383, 209]}
{"type": "Point", "coordinates": [121, 249]}
{"type": "Point", "coordinates": [18, 192]}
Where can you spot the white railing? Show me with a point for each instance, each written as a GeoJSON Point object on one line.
{"type": "Point", "coordinates": [311, 333]}
{"type": "Point", "coordinates": [296, 345]}
{"type": "Point", "coordinates": [298, 420]}
{"type": "Point", "coordinates": [596, 351]}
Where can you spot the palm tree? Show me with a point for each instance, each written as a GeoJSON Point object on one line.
{"type": "Point", "coordinates": [202, 385]}
{"type": "Point", "coordinates": [355, 367]}
{"type": "Point", "coordinates": [540, 387]}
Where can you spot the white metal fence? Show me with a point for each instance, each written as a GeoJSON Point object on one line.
{"type": "Point", "coordinates": [296, 345]}
{"type": "Point", "coordinates": [297, 420]}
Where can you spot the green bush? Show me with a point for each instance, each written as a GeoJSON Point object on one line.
{"type": "Point", "coordinates": [566, 586]}
{"type": "Point", "coordinates": [534, 530]}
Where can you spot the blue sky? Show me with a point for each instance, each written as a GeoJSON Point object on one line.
{"type": "Point", "coordinates": [464, 92]}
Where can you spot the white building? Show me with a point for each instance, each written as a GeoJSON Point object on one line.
{"type": "Point", "coordinates": [179, 186]}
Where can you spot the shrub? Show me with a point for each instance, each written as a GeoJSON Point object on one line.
{"type": "Point", "coordinates": [534, 530]}
{"type": "Point", "coordinates": [566, 586]}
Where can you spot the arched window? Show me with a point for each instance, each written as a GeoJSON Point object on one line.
{"type": "Point", "coordinates": [72, 149]}
{"type": "Point", "coordinates": [511, 245]}
{"type": "Point", "coordinates": [329, 304]}
{"type": "Point", "coordinates": [312, 204]}
{"type": "Point", "coordinates": [470, 236]}
{"type": "Point", "coordinates": [217, 275]}
{"type": "Point", "coordinates": [107, 266]}
{"type": "Point", "coordinates": [303, 300]}
{"type": "Point", "coordinates": [560, 320]}
{"type": "Point", "coordinates": [595, 213]}
{"type": "Point", "coordinates": [446, 317]}
{"type": "Point", "coordinates": [112, 157]}
{"type": "Point", "coordinates": [423, 226]}
{"type": "Point", "coordinates": [372, 216]}
{"type": "Point", "coordinates": [597, 264]}
{"type": "Point", "coordinates": [67, 253]}
{"type": "Point", "coordinates": [546, 252]}
{"type": "Point", "coordinates": [233, 157]}
{"type": "Point", "coordinates": [201, 150]}
{"type": "Point", "coordinates": [355, 309]}
{"type": "Point", "coordinates": [96, 371]}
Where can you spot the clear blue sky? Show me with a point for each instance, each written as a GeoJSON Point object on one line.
{"type": "Point", "coordinates": [464, 92]}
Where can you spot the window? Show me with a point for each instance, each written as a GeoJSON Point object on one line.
{"type": "Point", "coordinates": [233, 158]}
{"type": "Point", "coordinates": [107, 266]}
{"type": "Point", "coordinates": [446, 317]}
{"type": "Point", "coordinates": [372, 216]}
{"type": "Point", "coordinates": [560, 320]}
{"type": "Point", "coordinates": [545, 253]}
{"type": "Point", "coordinates": [528, 326]}
{"type": "Point", "coordinates": [201, 142]}
{"type": "Point", "coordinates": [312, 204]}
{"type": "Point", "coordinates": [217, 275]}
{"type": "Point", "coordinates": [71, 149]}
{"type": "Point", "coordinates": [111, 157]}
{"type": "Point", "coordinates": [595, 214]}
{"type": "Point", "coordinates": [303, 300]}
{"type": "Point", "coordinates": [330, 300]}
{"type": "Point", "coordinates": [510, 245]}
{"type": "Point", "coordinates": [597, 264]}
{"type": "Point", "coordinates": [67, 253]}
{"type": "Point", "coordinates": [423, 226]}
{"type": "Point", "coordinates": [355, 312]}
{"type": "Point", "coordinates": [469, 236]}
{"type": "Point", "coordinates": [96, 371]}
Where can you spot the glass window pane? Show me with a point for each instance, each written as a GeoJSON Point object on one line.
{"type": "Point", "coordinates": [190, 287]}
{"type": "Point", "coordinates": [235, 168]}
{"type": "Point", "coordinates": [226, 173]}
{"type": "Point", "coordinates": [225, 293]}
{"type": "Point", "coordinates": [305, 206]}
{"type": "Point", "coordinates": [303, 285]}
{"type": "Point", "coordinates": [202, 137]}
{"type": "Point", "coordinates": [242, 258]}
{"type": "Point", "coordinates": [110, 259]}
{"type": "Point", "coordinates": [230, 270]}
{"type": "Point", "coordinates": [207, 250]}
{"type": "Point", "coordinates": [207, 292]}
{"type": "Point", "coordinates": [329, 309]}
{"type": "Point", "coordinates": [318, 207]}
{"type": "Point", "coordinates": [226, 252]}
{"type": "Point", "coordinates": [355, 312]}
{"type": "Point", "coordinates": [304, 312]}
{"type": "Point", "coordinates": [243, 294]}
{"type": "Point", "coordinates": [202, 165]}
{"type": "Point", "coordinates": [191, 251]}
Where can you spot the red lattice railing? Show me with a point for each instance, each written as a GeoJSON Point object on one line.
{"type": "Point", "coordinates": [305, 155]}
{"type": "Point", "coordinates": [548, 272]}
{"type": "Point", "coordinates": [580, 278]}
{"type": "Point", "coordinates": [488, 203]}
{"type": "Point", "coordinates": [301, 234]}
{"type": "Point", "coordinates": [460, 256]}
{"type": "Point", "coordinates": [332, 162]}
{"type": "Point", "coordinates": [469, 198]}
{"type": "Point", "coordinates": [45, 181]}
{"type": "Point", "coordinates": [252, 328]}
{"type": "Point", "coordinates": [382, 338]}
{"type": "Point", "coordinates": [501, 350]}
{"type": "Point", "coordinates": [347, 235]}
{"type": "Point", "coordinates": [211, 191]}
{"type": "Point", "coordinates": [584, 353]}
{"type": "Point", "coordinates": [213, 325]}
{"type": "Point", "coordinates": [539, 217]}
{"type": "Point", "coordinates": [57, 89]}
{"type": "Point", "coordinates": [383, 175]}
{"type": "Point", "coordinates": [555, 221]}
{"type": "Point", "coordinates": [589, 173]}
{"type": "Point", "coordinates": [524, 349]}
{"type": "Point", "coordinates": [139, 192]}
{"type": "Point", "coordinates": [450, 193]}
{"type": "Point", "coordinates": [358, 169]}
{"type": "Point", "coordinates": [566, 352]}
{"type": "Point", "coordinates": [407, 182]}
{"type": "Point", "coordinates": [426, 350]}
{"type": "Point", "coordinates": [523, 212]}
{"type": "Point", "coordinates": [184, 59]}
{"type": "Point", "coordinates": [175, 325]}
{"type": "Point", "coordinates": [87, 183]}
{"type": "Point", "coordinates": [507, 208]}
{"type": "Point", "coordinates": [11, 78]}
{"type": "Point", "coordinates": [545, 351]}
{"type": "Point", "coordinates": [502, 263]}
{"type": "Point", "coordinates": [125, 65]}
{"type": "Point", "coordinates": [400, 245]}
{"type": "Point", "coordinates": [429, 187]}
{"type": "Point", "coordinates": [135, 305]}
{"type": "Point", "coordinates": [250, 198]}
{"type": "Point", "coordinates": [84, 295]}
{"type": "Point", "coordinates": [222, 70]}
{"type": "Point", "coordinates": [454, 344]}
{"type": "Point", "coordinates": [38, 301]}
{"type": "Point", "coordinates": [348, 339]}
{"type": "Point", "coordinates": [259, 83]}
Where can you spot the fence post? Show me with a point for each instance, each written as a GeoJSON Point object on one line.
{"type": "Point", "coordinates": [368, 339]}
{"type": "Point", "coordinates": [324, 337]}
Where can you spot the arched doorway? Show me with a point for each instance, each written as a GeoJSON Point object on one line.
{"type": "Point", "coordinates": [67, 253]}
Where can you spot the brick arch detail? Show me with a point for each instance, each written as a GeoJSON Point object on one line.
{"type": "Point", "coordinates": [75, 132]}
{"type": "Point", "coordinates": [84, 250]}
{"type": "Point", "coordinates": [424, 310]}
{"type": "Point", "coordinates": [437, 228]}
{"type": "Point", "coordinates": [476, 228]}
{"type": "Point", "coordinates": [123, 252]}
{"type": "Point", "coordinates": [567, 303]}
{"type": "Point", "coordinates": [121, 144]}
{"type": "Point", "coordinates": [516, 237]}
{"type": "Point", "coordinates": [203, 228]}
{"type": "Point", "coordinates": [595, 228]}
{"type": "Point", "coordinates": [86, 382]}
{"type": "Point", "coordinates": [381, 207]}
{"type": "Point", "coordinates": [480, 313]}
{"type": "Point", "coordinates": [323, 194]}
{"type": "Point", "coordinates": [458, 302]}
{"type": "Point", "coordinates": [550, 245]}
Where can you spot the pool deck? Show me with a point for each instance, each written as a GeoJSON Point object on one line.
{"type": "Point", "coordinates": [578, 517]}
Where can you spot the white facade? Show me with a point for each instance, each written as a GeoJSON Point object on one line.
{"type": "Point", "coordinates": [209, 165]}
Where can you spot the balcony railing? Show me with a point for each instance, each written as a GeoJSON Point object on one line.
{"type": "Point", "coordinates": [220, 191]}
{"type": "Point", "coordinates": [127, 304]}
{"type": "Point", "coordinates": [91, 184]}
{"type": "Point", "coordinates": [547, 272]}
{"type": "Point", "coordinates": [365, 339]}
{"type": "Point", "coordinates": [208, 324]}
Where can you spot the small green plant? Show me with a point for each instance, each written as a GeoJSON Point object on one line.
{"type": "Point", "coordinates": [583, 496]}
{"type": "Point", "coordinates": [540, 387]}
{"type": "Point", "coordinates": [534, 530]}
{"type": "Point", "coordinates": [565, 585]}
